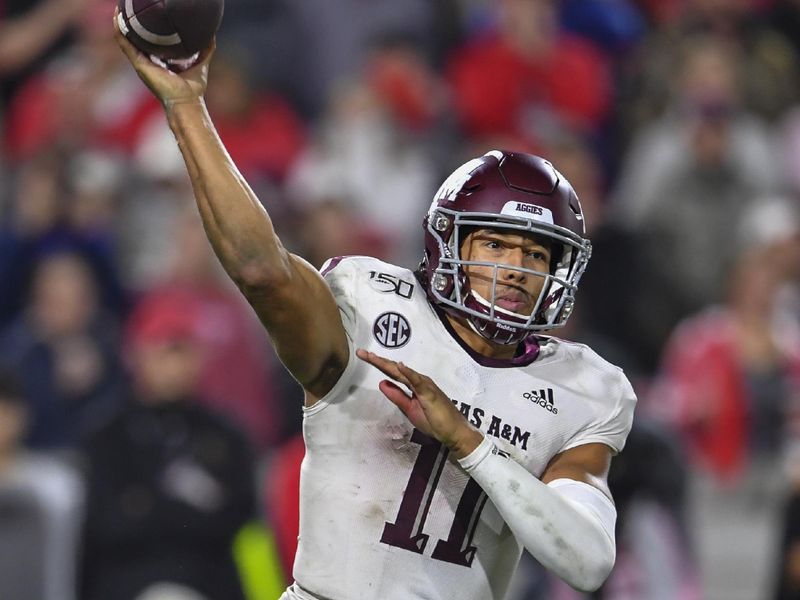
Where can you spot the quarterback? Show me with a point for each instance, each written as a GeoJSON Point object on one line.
{"type": "Point", "coordinates": [410, 488]}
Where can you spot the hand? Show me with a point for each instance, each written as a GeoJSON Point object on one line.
{"type": "Point", "coordinates": [428, 408]}
{"type": "Point", "coordinates": [169, 87]}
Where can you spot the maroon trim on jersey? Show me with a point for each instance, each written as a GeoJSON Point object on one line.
{"type": "Point", "coordinates": [530, 349]}
{"type": "Point", "coordinates": [334, 261]}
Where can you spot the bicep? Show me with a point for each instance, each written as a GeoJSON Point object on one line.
{"type": "Point", "coordinates": [588, 463]}
{"type": "Point", "coordinates": [305, 326]}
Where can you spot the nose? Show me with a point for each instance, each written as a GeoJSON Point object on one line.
{"type": "Point", "coordinates": [514, 257]}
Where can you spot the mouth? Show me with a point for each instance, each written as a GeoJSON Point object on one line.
{"type": "Point", "coordinates": [513, 300]}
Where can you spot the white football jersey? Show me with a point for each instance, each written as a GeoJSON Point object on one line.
{"type": "Point", "coordinates": [385, 513]}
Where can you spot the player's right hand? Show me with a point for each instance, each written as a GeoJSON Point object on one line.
{"type": "Point", "coordinates": [428, 408]}
{"type": "Point", "coordinates": [169, 87]}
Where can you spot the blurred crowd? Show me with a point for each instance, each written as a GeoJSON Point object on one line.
{"type": "Point", "coordinates": [149, 438]}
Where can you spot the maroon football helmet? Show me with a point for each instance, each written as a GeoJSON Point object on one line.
{"type": "Point", "coordinates": [510, 192]}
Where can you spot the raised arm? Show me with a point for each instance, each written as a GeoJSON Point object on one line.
{"type": "Point", "coordinates": [289, 296]}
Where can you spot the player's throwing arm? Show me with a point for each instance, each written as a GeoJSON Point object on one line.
{"type": "Point", "coordinates": [289, 296]}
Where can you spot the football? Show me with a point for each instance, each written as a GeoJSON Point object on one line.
{"type": "Point", "coordinates": [170, 29]}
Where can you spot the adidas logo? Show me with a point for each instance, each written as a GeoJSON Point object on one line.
{"type": "Point", "coordinates": [543, 398]}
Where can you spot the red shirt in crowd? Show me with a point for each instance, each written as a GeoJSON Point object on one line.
{"type": "Point", "coordinates": [498, 90]}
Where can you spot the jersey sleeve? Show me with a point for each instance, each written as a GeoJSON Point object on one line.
{"type": "Point", "coordinates": [340, 273]}
{"type": "Point", "coordinates": [611, 425]}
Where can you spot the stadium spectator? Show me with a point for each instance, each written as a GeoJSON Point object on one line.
{"type": "Point", "coordinates": [767, 60]}
{"type": "Point", "coordinates": [376, 141]}
{"type": "Point", "coordinates": [685, 184]}
{"type": "Point", "coordinates": [730, 384]}
{"type": "Point", "coordinates": [262, 132]}
{"type": "Point", "coordinates": [41, 507]}
{"type": "Point", "coordinates": [528, 76]}
{"type": "Point", "coordinates": [333, 38]}
{"type": "Point", "coordinates": [58, 203]}
{"type": "Point", "coordinates": [170, 483]}
{"type": "Point", "coordinates": [237, 374]}
{"type": "Point", "coordinates": [730, 389]}
{"type": "Point", "coordinates": [65, 350]}
{"type": "Point", "coordinates": [84, 98]}
{"type": "Point", "coordinates": [30, 32]}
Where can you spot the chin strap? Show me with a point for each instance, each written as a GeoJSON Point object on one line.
{"type": "Point", "coordinates": [480, 326]}
{"type": "Point", "coordinates": [503, 334]}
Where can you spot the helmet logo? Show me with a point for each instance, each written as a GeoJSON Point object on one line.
{"type": "Point", "coordinates": [528, 211]}
{"type": "Point", "coordinates": [453, 184]}
{"type": "Point", "coordinates": [392, 330]}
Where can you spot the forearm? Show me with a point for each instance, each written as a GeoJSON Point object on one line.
{"type": "Point", "coordinates": [237, 225]}
{"type": "Point", "coordinates": [571, 534]}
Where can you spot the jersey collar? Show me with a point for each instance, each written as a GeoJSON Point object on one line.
{"type": "Point", "coordinates": [529, 351]}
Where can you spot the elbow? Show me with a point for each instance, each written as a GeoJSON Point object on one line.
{"type": "Point", "coordinates": [258, 278]}
{"type": "Point", "coordinates": [594, 573]}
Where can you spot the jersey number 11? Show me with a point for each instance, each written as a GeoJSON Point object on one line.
{"type": "Point", "coordinates": [406, 532]}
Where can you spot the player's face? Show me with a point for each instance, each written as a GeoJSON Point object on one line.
{"type": "Point", "coordinates": [517, 291]}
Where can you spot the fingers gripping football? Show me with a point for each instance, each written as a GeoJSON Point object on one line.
{"type": "Point", "coordinates": [427, 407]}
{"type": "Point", "coordinates": [170, 87]}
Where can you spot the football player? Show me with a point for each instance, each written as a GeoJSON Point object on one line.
{"type": "Point", "coordinates": [434, 492]}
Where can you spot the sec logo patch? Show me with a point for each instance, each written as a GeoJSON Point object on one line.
{"type": "Point", "coordinates": [392, 330]}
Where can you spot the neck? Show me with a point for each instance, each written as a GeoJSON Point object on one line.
{"type": "Point", "coordinates": [480, 344]}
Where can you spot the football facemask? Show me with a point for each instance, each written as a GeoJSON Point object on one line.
{"type": "Point", "coordinates": [507, 193]}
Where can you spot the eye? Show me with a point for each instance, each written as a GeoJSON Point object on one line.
{"type": "Point", "coordinates": [491, 244]}
{"type": "Point", "coordinates": [538, 255]}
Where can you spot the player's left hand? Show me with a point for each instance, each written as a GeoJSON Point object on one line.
{"type": "Point", "coordinates": [428, 408]}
